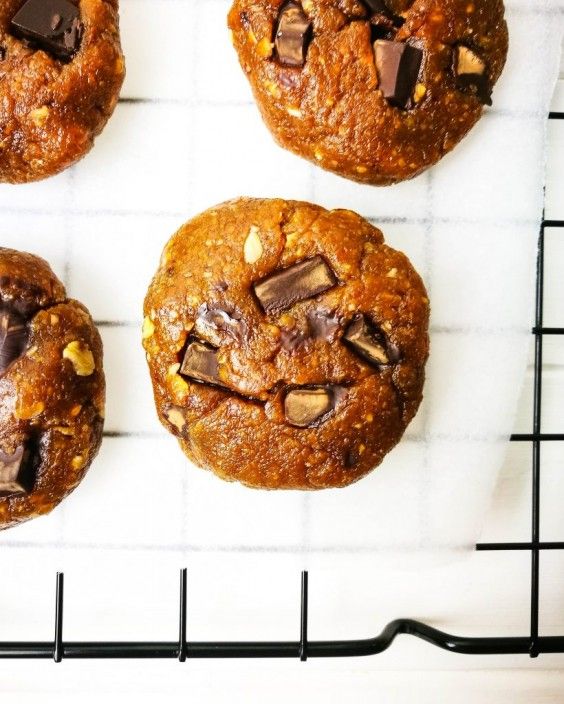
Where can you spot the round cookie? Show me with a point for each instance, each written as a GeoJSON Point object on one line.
{"type": "Point", "coordinates": [61, 70]}
{"type": "Point", "coordinates": [286, 343]}
{"type": "Point", "coordinates": [52, 389]}
{"type": "Point", "coordinates": [373, 90]}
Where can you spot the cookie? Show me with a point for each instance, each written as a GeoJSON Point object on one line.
{"type": "Point", "coordinates": [373, 90]}
{"type": "Point", "coordinates": [61, 70]}
{"type": "Point", "coordinates": [51, 389]}
{"type": "Point", "coordinates": [286, 343]}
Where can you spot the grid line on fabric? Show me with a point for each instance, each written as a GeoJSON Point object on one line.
{"type": "Point", "coordinates": [383, 220]}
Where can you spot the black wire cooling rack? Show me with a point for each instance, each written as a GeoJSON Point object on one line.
{"type": "Point", "coordinates": [531, 644]}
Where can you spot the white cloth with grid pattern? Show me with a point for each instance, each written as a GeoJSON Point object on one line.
{"type": "Point", "coordinates": [185, 136]}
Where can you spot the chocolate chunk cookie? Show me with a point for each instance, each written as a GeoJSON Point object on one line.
{"type": "Point", "coordinates": [286, 343]}
{"type": "Point", "coordinates": [51, 389]}
{"type": "Point", "coordinates": [61, 70]}
{"type": "Point", "coordinates": [374, 90]}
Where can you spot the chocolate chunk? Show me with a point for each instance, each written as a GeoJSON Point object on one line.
{"type": "Point", "coordinates": [381, 16]}
{"type": "Point", "coordinates": [471, 75]}
{"type": "Point", "coordinates": [13, 338]}
{"type": "Point", "coordinates": [292, 340]}
{"type": "Point", "coordinates": [398, 66]}
{"type": "Point", "coordinates": [293, 34]}
{"type": "Point", "coordinates": [201, 363]}
{"type": "Point", "coordinates": [305, 406]}
{"type": "Point", "coordinates": [352, 458]}
{"type": "Point", "coordinates": [369, 342]}
{"type": "Point", "coordinates": [72, 36]}
{"type": "Point", "coordinates": [16, 473]}
{"type": "Point", "coordinates": [54, 25]}
{"type": "Point", "coordinates": [381, 28]}
{"type": "Point", "coordinates": [214, 324]}
{"type": "Point", "coordinates": [323, 325]}
{"type": "Point", "coordinates": [245, 21]}
{"type": "Point", "coordinates": [296, 283]}
{"type": "Point", "coordinates": [376, 6]}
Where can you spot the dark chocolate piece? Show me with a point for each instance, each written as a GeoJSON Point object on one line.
{"type": "Point", "coordinates": [201, 363]}
{"type": "Point", "coordinates": [245, 21]}
{"type": "Point", "coordinates": [292, 35]}
{"type": "Point", "coordinates": [54, 25]}
{"type": "Point", "coordinates": [382, 28]}
{"type": "Point", "coordinates": [13, 338]}
{"type": "Point", "coordinates": [16, 475]}
{"type": "Point", "coordinates": [384, 22]}
{"type": "Point", "coordinates": [398, 66]}
{"type": "Point", "coordinates": [376, 6]}
{"type": "Point", "coordinates": [296, 283]}
{"type": "Point", "coordinates": [471, 75]}
{"type": "Point", "coordinates": [352, 458]}
{"type": "Point", "coordinates": [323, 325]}
{"type": "Point", "coordinates": [370, 343]}
{"type": "Point", "coordinates": [306, 406]}
{"type": "Point", "coordinates": [214, 324]}
{"type": "Point", "coordinates": [293, 339]}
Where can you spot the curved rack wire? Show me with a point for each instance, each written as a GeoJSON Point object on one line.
{"type": "Point", "coordinates": [302, 649]}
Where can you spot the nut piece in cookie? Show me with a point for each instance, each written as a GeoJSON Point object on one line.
{"type": "Point", "coordinates": [471, 74]}
{"type": "Point", "coordinates": [300, 370]}
{"type": "Point", "coordinates": [52, 389]}
{"type": "Point", "coordinates": [81, 357]}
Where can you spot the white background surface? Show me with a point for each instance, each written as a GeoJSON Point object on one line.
{"type": "Point", "coordinates": [484, 594]}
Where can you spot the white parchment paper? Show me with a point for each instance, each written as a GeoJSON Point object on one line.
{"type": "Point", "coordinates": [185, 136]}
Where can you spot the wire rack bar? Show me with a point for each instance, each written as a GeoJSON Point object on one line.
{"type": "Point", "coordinates": [537, 419]}
{"type": "Point", "coordinates": [302, 649]}
{"type": "Point", "coordinates": [482, 547]}
{"type": "Point", "coordinates": [535, 546]}
{"type": "Point", "coordinates": [537, 437]}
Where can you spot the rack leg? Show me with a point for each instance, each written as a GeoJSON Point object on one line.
{"type": "Point", "coordinates": [182, 649]}
{"type": "Point", "coordinates": [59, 596]}
{"type": "Point", "coordinates": [303, 620]}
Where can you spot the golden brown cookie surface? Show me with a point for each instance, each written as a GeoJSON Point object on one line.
{"type": "Point", "coordinates": [61, 71]}
{"type": "Point", "coordinates": [286, 343]}
{"type": "Point", "coordinates": [52, 389]}
{"type": "Point", "coordinates": [374, 90]}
